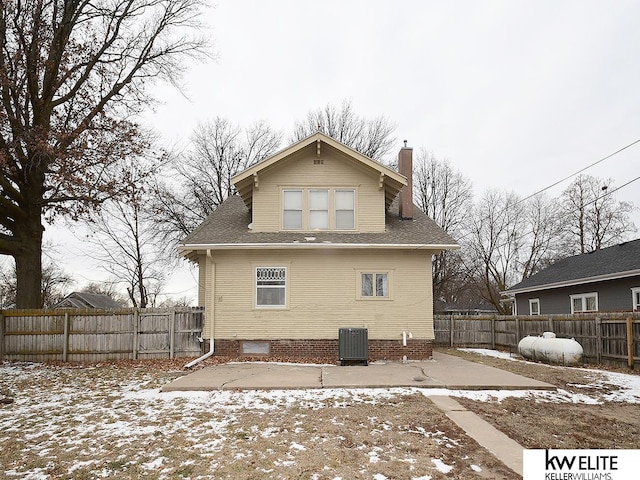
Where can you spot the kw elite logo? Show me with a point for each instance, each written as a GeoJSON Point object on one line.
{"type": "Point", "coordinates": [579, 464]}
{"type": "Point", "coordinates": [580, 467]}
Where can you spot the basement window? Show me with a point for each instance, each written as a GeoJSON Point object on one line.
{"type": "Point", "coordinates": [254, 348]}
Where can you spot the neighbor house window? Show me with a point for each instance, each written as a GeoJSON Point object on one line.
{"type": "Point", "coordinates": [318, 209]}
{"type": "Point", "coordinates": [635, 292]}
{"type": "Point", "coordinates": [292, 209]}
{"type": "Point", "coordinates": [584, 302]}
{"type": "Point", "coordinates": [271, 287]}
{"type": "Point", "coordinates": [345, 209]}
{"type": "Point", "coordinates": [375, 285]}
{"type": "Point", "coordinates": [534, 306]}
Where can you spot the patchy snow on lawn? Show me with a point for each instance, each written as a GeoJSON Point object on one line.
{"type": "Point", "coordinates": [85, 422]}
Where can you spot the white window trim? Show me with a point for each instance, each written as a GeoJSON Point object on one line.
{"type": "Point", "coordinates": [635, 291]}
{"type": "Point", "coordinates": [306, 210]}
{"type": "Point", "coordinates": [255, 288]}
{"type": "Point", "coordinates": [533, 301]}
{"type": "Point", "coordinates": [584, 296]}
{"type": "Point", "coordinates": [374, 298]}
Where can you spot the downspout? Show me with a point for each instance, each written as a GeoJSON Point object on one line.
{"type": "Point", "coordinates": [208, 307]}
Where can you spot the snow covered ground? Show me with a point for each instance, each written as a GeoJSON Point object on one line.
{"type": "Point", "coordinates": [103, 422]}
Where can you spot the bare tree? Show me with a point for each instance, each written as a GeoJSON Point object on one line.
{"type": "Point", "coordinates": [127, 245]}
{"type": "Point", "coordinates": [446, 196]}
{"type": "Point", "coordinates": [542, 243]}
{"type": "Point", "coordinates": [72, 76]}
{"type": "Point", "coordinates": [594, 218]}
{"type": "Point", "coordinates": [219, 151]}
{"type": "Point", "coordinates": [371, 137]}
{"type": "Point", "coordinates": [495, 243]}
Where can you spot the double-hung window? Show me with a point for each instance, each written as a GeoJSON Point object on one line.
{"type": "Point", "coordinates": [345, 209]}
{"type": "Point", "coordinates": [534, 306]}
{"type": "Point", "coordinates": [292, 209]}
{"type": "Point", "coordinates": [635, 292]}
{"type": "Point", "coordinates": [374, 285]}
{"type": "Point", "coordinates": [584, 302]}
{"type": "Point", "coordinates": [318, 209]}
{"type": "Point", "coordinates": [271, 287]}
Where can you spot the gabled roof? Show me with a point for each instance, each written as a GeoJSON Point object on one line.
{"type": "Point", "coordinates": [228, 227]}
{"type": "Point", "coordinates": [245, 181]}
{"type": "Point", "coordinates": [87, 300]}
{"type": "Point", "coordinates": [610, 263]}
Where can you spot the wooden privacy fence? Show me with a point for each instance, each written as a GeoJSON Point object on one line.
{"type": "Point", "coordinates": [605, 338]}
{"type": "Point", "coordinates": [97, 335]}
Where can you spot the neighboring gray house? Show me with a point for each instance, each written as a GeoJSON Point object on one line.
{"type": "Point", "coordinates": [87, 300]}
{"type": "Point", "coordinates": [606, 280]}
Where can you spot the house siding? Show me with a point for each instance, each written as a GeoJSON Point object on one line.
{"type": "Point", "coordinates": [613, 296]}
{"type": "Point", "coordinates": [322, 292]}
{"type": "Point", "coordinates": [334, 172]}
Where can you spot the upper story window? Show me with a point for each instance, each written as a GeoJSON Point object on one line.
{"type": "Point", "coordinates": [345, 209]}
{"type": "Point", "coordinates": [635, 292]}
{"type": "Point", "coordinates": [584, 302]}
{"type": "Point", "coordinates": [534, 306]}
{"type": "Point", "coordinates": [292, 209]}
{"type": "Point", "coordinates": [319, 209]}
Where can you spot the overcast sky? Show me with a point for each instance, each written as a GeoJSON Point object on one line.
{"type": "Point", "coordinates": [515, 94]}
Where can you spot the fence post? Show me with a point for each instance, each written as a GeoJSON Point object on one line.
{"type": "Point", "coordinates": [517, 332]}
{"type": "Point", "coordinates": [451, 330]}
{"type": "Point", "coordinates": [1, 336]}
{"type": "Point", "coordinates": [135, 333]}
{"type": "Point", "coordinates": [172, 332]}
{"type": "Point", "coordinates": [493, 332]}
{"type": "Point", "coordinates": [65, 338]}
{"type": "Point", "coordinates": [629, 342]}
{"type": "Point", "coordinates": [551, 324]}
{"type": "Point", "coordinates": [598, 340]}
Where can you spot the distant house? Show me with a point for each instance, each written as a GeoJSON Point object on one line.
{"type": "Point", "coordinates": [464, 308]}
{"type": "Point", "coordinates": [606, 280]}
{"type": "Point", "coordinates": [319, 237]}
{"type": "Point", "coordinates": [87, 300]}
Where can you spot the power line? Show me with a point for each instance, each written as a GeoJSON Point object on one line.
{"type": "Point", "coordinates": [609, 192]}
{"type": "Point", "coordinates": [582, 170]}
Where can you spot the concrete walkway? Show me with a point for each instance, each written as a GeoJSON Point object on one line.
{"type": "Point", "coordinates": [443, 371]}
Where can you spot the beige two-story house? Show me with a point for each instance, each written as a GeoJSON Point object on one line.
{"type": "Point", "coordinates": [318, 238]}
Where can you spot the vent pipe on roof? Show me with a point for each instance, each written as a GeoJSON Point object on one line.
{"type": "Point", "coordinates": [405, 167]}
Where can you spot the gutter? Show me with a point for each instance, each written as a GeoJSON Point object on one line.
{"type": "Point", "coordinates": [234, 246]}
{"type": "Point", "coordinates": [211, 341]}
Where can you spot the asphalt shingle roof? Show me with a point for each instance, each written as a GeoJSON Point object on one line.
{"type": "Point", "coordinates": [229, 225]}
{"type": "Point", "coordinates": [607, 261]}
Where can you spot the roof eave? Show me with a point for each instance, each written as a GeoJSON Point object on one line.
{"type": "Point", "coordinates": [570, 283]}
{"type": "Point", "coordinates": [186, 249]}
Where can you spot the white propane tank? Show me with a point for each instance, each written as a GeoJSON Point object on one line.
{"type": "Point", "coordinates": [550, 349]}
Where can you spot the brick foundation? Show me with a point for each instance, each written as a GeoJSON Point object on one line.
{"type": "Point", "coordinates": [378, 349]}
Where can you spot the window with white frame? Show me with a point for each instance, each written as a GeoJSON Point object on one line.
{"type": "Point", "coordinates": [292, 209]}
{"type": "Point", "coordinates": [635, 292]}
{"type": "Point", "coordinates": [318, 209]}
{"type": "Point", "coordinates": [584, 302]}
{"type": "Point", "coordinates": [271, 287]}
{"type": "Point", "coordinates": [374, 285]}
{"type": "Point", "coordinates": [534, 306]}
{"type": "Point", "coordinates": [345, 206]}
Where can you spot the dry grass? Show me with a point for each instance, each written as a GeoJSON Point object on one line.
{"type": "Point", "coordinates": [109, 420]}
{"type": "Point", "coordinates": [543, 424]}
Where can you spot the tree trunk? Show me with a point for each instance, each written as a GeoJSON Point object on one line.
{"type": "Point", "coordinates": [28, 258]}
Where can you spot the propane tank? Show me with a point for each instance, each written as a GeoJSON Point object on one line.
{"type": "Point", "coordinates": [550, 349]}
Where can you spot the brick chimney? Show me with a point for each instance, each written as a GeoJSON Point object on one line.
{"type": "Point", "coordinates": [405, 167]}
